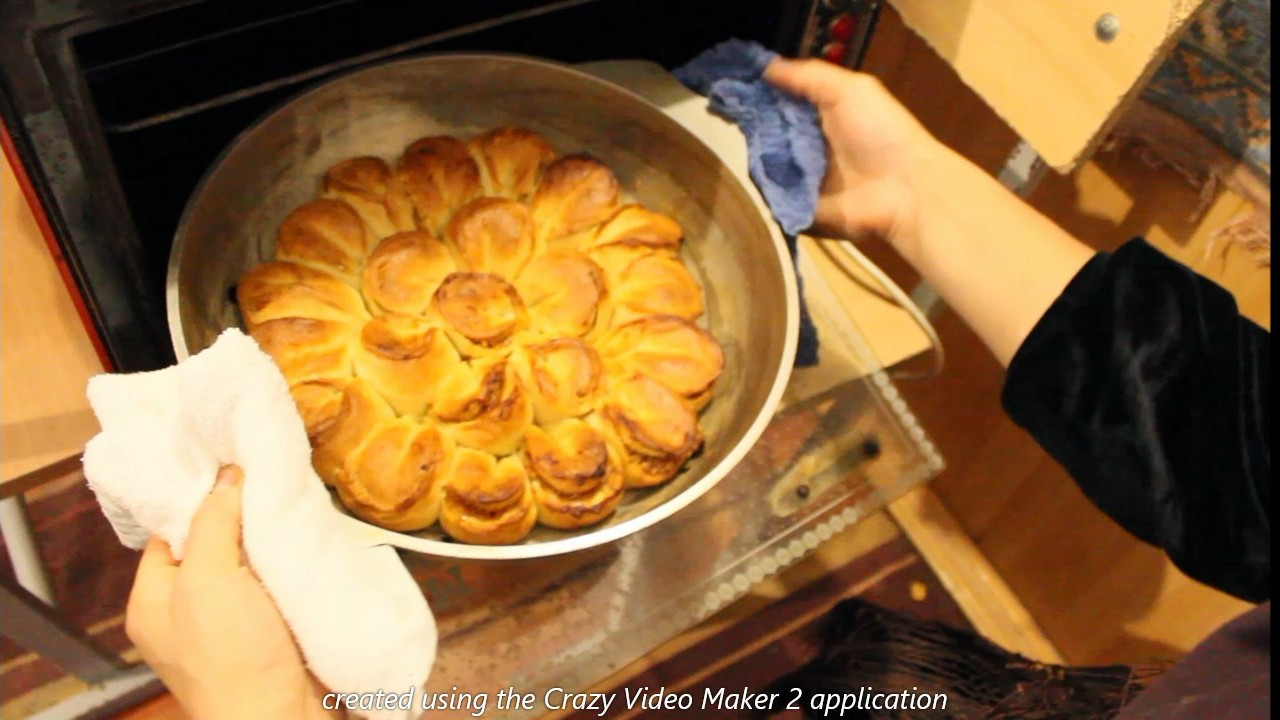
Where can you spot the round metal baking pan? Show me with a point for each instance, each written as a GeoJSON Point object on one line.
{"type": "Point", "coordinates": [230, 223]}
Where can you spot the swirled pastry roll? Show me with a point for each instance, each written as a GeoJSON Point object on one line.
{"type": "Point", "coordinates": [405, 359]}
{"type": "Point", "coordinates": [614, 259]}
{"type": "Point", "coordinates": [484, 406]}
{"type": "Point", "coordinates": [511, 161]}
{"type": "Point", "coordinates": [655, 429]}
{"type": "Point", "coordinates": [481, 311]}
{"type": "Point", "coordinates": [363, 183]}
{"type": "Point", "coordinates": [404, 272]}
{"type": "Point", "coordinates": [492, 235]}
{"type": "Point", "coordinates": [326, 235]}
{"type": "Point", "coordinates": [306, 349]}
{"type": "Point", "coordinates": [340, 417]}
{"type": "Point", "coordinates": [276, 290]}
{"type": "Point", "coordinates": [576, 193]}
{"type": "Point", "coordinates": [562, 290]}
{"type": "Point", "coordinates": [577, 477]}
{"type": "Point", "coordinates": [437, 175]}
{"type": "Point", "coordinates": [563, 377]}
{"type": "Point", "coordinates": [396, 477]}
{"type": "Point", "coordinates": [655, 284]}
{"type": "Point", "coordinates": [487, 501]}
{"type": "Point", "coordinates": [672, 350]}
{"type": "Point", "coordinates": [637, 225]}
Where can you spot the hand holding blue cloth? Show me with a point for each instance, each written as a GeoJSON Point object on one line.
{"type": "Point", "coordinates": [787, 154]}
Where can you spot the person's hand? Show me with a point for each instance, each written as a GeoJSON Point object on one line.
{"type": "Point", "coordinates": [210, 631]}
{"type": "Point", "coordinates": [993, 259]}
{"type": "Point", "coordinates": [876, 149]}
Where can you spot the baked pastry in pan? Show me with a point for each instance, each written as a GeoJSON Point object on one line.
{"type": "Point", "coordinates": [485, 336]}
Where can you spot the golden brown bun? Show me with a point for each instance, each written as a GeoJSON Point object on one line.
{"type": "Point", "coordinates": [637, 225]}
{"type": "Point", "coordinates": [484, 405]}
{"type": "Point", "coordinates": [276, 290]}
{"type": "Point", "coordinates": [339, 427]}
{"type": "Point", "coordinates": [487, 501]}
{"type": "Point", "coordinates": [672, 350]}
{"type": "Point", "coordinates": [563, 377]}
{"type": "Point", "coordinates": [396, 478]}
{"type": "Point", "coordinates": [576, 193]}
{"type": "Point", "coordinates": [577, 476]}
{"type": "Point", "coordinates": [482, 335]}
{"type": "Point", "coordinates": [562, 291]}
{"type": "Point", "coordinates": [400, 210]}
{"type": "Point", "coordinates": [480, 310]}
{"type": "Point", "coordinates": [655, 284]}
{"type": "Point", "coordinates": [363, 183]}
{"type": "Point", "coordinates": [326, 235]}
{"type": "Point", "coordinates": [492, 235]}
{"type": "Point", "coordinates": [404, 358]}
{"type": "Point", "coordinates": [613, 260]}
{"type": "Point", "coordinates": [319, 402]}
{"type": "Point", "coordinates": [404, 271]}
{"type": "Point", "coordinates": [655, 429]}
{"type": "Point", "coordinates": [437, 175]}
{"type": "Point", "coordinates": [306, 349]}
{"type": "Point", "coordinates": [511, 161]}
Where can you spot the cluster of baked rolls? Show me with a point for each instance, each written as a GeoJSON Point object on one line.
{"type": "Point", "coordinates": [485, 335]}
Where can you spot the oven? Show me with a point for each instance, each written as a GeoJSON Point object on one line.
{"type": "Point", "coordinates": [113, 110]}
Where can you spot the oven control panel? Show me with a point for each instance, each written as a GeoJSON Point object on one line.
{"type": "Point", "coordinates": [838, 30]}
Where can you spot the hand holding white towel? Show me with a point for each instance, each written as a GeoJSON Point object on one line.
{"type": "Point", "coordinates": [361, 622]}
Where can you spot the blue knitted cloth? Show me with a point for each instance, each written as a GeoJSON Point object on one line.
{"type": "Point", "coordinates": [786, 152]}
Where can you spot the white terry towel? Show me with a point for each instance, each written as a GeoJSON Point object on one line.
{"type": "Point", "coordinates": [361, 622]}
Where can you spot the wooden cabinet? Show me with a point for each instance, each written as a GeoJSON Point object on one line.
{"type": "Point", "coordinates": [46, 356]}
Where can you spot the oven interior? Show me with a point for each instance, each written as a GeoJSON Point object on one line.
{"type": "Point", "coordinates": [149, 94]}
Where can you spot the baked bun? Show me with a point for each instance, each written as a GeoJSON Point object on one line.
{"type": "Point", "coordinates": [577, 193]}
{"type": "Point", "coordinates": [492, 235]}
{"type": "Point", "coordinates": [562, 290]}
{"type": "Point", "coordinates": [404, 358]}
{"type": "Point", "coordinates": [563, 376]}
{"type": "Point", "coordinates": [325, 235]}
{"type": "Point", "coordinates": [656, 284]}
{"type": "Point", "coordinates": [481, 311]}
{"type": "Point", "coordinates": [404, 271]}
{"type": "Point", "coordinates": [341, 416]}
{"type": "Point", "coordinates": [655, 429]}
{"type": "Point", "coordinates": [396, 477]}
{"type": "Point", "coordinates": [306, 349]}
{"type": "Point", "coordinates": [483, 336]}
{"type": "Point", "coordinates": [638, 226]}
{"type": "Point", "coordinates": [669, 349]}
{"type": "Point", "coordinates": [437, 175]}
{"type": "Point", "coordinates": [487, 501]}
{"type": "Point", "coordinates": [277, 290]}
{"type": "Point", "coordinates": [511, 161]}
{"type": "Point", "coordinates": [363, 183]}
{"type": "Point", "coordinates": [577, 476]}
{"type": "Point", "coordinates": [484, 406]}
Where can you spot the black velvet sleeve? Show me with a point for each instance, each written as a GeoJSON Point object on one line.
{"type": "Point", "coordinates": [1148, 386]}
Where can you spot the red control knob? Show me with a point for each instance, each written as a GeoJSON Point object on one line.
{"type": "Point", "coordinates": [843, 27]}
{"type": "Point", "coordinates": [835, 52]}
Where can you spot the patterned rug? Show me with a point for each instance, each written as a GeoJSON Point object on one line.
{"type": "Point", "coordinates": [1218, 79]}
{"type": "Point", "coordinates": [1207, 114]}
